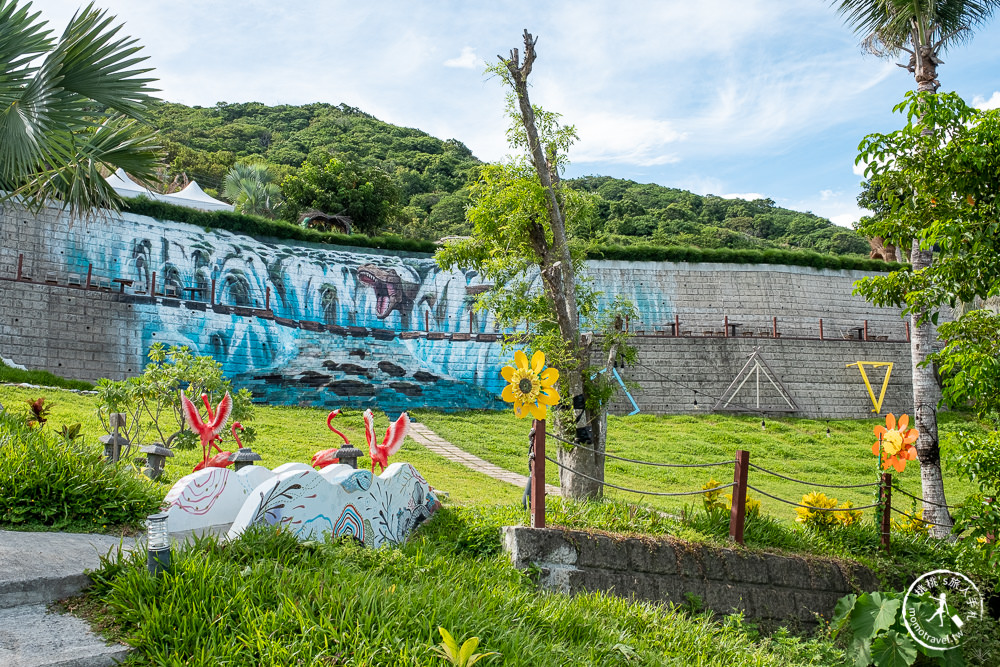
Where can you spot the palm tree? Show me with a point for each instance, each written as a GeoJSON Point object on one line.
{"type": "Point", "coordinates": [252, 190]}
{"type": "Point", "coordinates": [924, 29]}
{"type": "Point", "coordinates": [71, 108]}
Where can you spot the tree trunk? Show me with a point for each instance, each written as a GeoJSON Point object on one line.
{"type": "Point", "coordinates": [925, 400]}
{"type": "Point", "coordinates": [585, 480]}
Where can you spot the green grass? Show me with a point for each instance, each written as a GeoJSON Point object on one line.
{"type": "Point", "coordinates": [266, 599]}
{"type": "Point", "coordinates": [41, 378]}
{"type": "Point", "coordinates": [796, 448]}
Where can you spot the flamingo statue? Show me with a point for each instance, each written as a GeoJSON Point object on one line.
{"type": "Point", "coordinates": [328, 457]}
{"type": "Point", "coordinates": [391, 443]}
{"type": "Point", "coordinates": [208, 432]}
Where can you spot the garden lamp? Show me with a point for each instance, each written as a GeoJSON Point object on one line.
{"type": "Point", "coordinates": [156, 459]}
{"type": "Point", "coordinates": [244, 456]}
{"type": "Point", "coordinates": [349, 455]}
{"type": "Point", "coordinates": [157, 544]}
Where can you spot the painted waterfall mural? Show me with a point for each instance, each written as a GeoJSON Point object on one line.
{"type": "Point", "coordinates": [299, 324]}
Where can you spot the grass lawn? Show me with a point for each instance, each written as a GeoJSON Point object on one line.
{"type": "Point", "coordinates": [796, 448]}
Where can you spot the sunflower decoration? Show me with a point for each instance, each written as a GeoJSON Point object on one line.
{"type": "Point", "coordinates": [896, 442]}
{"type": "Point", "coordinates": [531, 388]}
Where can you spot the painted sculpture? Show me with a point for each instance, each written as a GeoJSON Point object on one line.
{"type": "Point", "coordinates": [337, 500]}
{"type": "Point", "coordinates": [209, 432]}
{"type": "Point", "coordinates": [341, 501]}
{"type": "Point", "coordinates": [391, 443]}
{"type": "Point", "coordinates": [326, 457]}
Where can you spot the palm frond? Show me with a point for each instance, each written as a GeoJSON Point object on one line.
{"type": "Point", "coordinates": [22, 39]}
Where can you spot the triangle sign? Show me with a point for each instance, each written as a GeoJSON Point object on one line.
{"type": "Point", "coordinates": [877, 402]}
{"type": "Point", "coordinates": [755, 367]}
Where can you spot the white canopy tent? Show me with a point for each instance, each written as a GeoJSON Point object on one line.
{"type": "Point", "coordinates": [191, 196]}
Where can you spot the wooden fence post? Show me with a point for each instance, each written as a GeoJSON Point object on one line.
{"type": "Point", "coordinates": [212, 302]}
{"type": "Point", "coordinates": [677, 325]}
{"type": "Point", "coordinates": [267, 298]}
{"type": "Point", "coordinates": [90, 273]}
{"type": "Point", "coordinates": [725, 327]}
{"type": "Point", "coordinates": [866, 329]}
{"type": "Point", "coordinates": [427, 320]}
{"type": "Point", "coordinates": [774, 327]}
{"type": "Point", "coordinates": [470, 321]}
{"type": "Point", "coordinates": [538, 477]}
{"type": "Point", "coordinates": [907, 332]}
{"type": "Point", "coordinates": [738, 513]}
{"type": "Point", "coordinates": [821, 328]}
{"type": "Point", "coordinates": [152, 285]}
{"type": "Point", "coordinates": [885, 501]}
{"type": "Point", "coordinates": [20, 264]}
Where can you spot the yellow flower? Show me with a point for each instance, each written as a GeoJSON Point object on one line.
{"type": "Point", "coordinates": [531, 388]}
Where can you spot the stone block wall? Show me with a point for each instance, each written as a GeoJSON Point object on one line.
{"type": "Point", "coordinates": [774, 589]}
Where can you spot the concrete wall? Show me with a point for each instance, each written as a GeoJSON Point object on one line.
{"type": "Point", "coordinates": [775, 589]}
{"type": "Point", "coordinates": [309, 324]}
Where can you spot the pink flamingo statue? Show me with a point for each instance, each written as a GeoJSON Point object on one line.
{"type": "Point", "coordinates": [392, 442]}
{"type": "Point", "coordinates": [208, 432]}
{"type": "Point", "coordinates": [328, 457]}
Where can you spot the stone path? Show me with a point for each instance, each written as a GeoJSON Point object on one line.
{"type": "Point", "coordinates": [435, 443]}
{"type": "Point", "coordinates": [35, 570]}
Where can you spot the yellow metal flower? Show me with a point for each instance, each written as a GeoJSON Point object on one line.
{"type": "Point", "coordinates": [897, 442]}
{"type": "Point", "coordinates": [531, 388]}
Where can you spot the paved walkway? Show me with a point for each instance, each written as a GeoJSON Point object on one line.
{"type": "Point", "coordinates": [439, 445]}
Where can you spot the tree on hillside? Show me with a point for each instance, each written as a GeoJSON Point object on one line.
{"type": "Point", "coordinates": [252, 190]}
{"type": "Point", "coordinates": [366, 195]}
{"type": "Point", "coordinates": [70, 108]}
{"type": "Point", "coordinates": [520, 214]}
{"type": "Point", "coordinates": [924, 29]}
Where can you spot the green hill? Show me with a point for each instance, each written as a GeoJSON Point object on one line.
{"type": "Point", "coordinates": [431, 177]}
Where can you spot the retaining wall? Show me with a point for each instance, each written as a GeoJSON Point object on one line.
{"type": "Point", "coordinates": [308, 324]}
{"type": "Point", "coordinates": [775, 589]}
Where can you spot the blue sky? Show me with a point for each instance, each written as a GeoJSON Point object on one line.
{"type": "Point", "coordinates": [728, 97]}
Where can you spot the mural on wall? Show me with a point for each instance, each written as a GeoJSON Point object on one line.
{"type": "Point", "coordinates": [358, 328]}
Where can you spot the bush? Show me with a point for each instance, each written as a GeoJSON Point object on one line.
{"type": "Point", "coordinates": [48, 481]}
{"type": "Point", "coordinates": [43, 378]}
{"type": "Point", "coordinates": [821, 517]}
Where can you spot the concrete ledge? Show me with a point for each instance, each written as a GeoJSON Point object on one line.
{"type": "Point", "coordinates": [763, 586]}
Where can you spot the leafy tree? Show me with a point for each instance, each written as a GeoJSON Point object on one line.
{"type": "Point", "coordinates": [924, 29]}
{"type": "Point", "coordinates": [520, 214]}
{"type": "Point", "coordinates": [939, 179]}
{"type": "Point", "coordinates": [252, 190]}
{"type": "Point", "coordinates": [364, 194]}
{"type": "Point", "coordinates": [70, 108]}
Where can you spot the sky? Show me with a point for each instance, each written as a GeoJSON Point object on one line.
{"type": "Point", "coordinates": [740, 98]}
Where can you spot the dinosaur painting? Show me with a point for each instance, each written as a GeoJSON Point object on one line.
{"type": "Point", "coordinates": [391, 291]}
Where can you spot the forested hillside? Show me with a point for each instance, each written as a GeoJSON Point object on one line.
{"type": "Point", "coordinates": [428, 179]}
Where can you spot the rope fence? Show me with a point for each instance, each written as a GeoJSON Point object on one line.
{"type": "Point", "coordinates": [740, 485]}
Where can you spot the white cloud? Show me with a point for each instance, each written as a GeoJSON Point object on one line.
{"type": "Point", "coordinates": [826, 195]}
{"type": "Point", "coordinates": [622, 138]}
{"type": "Point", "coordinates": [846, 219]}
{"type": "Point", "coordinates": [467, 60]}
{"type": "Point", "coordinates": [985, 104]}
{"type": "Point", "coordinates": [749, 196]}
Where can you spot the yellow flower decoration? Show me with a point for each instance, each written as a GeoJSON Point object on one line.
{"type": "Point", "coordinates": [531, 389]}
{"type": "Point", "coordinates": [897, 442]}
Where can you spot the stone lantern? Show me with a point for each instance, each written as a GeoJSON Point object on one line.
{"type": "Point", "coordinates": [349, 455]}
{"type": "Point", "coordinates": [156, 459]}
{"type": "Point", "coordinates": [244, 456]}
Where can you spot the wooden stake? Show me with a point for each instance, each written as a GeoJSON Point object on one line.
{"type": "Point", "coordinates": [267, 298]}
{"type": "Point", "coordinates": [538, 477]}
{"type": "Point", "coordinates": [866, 329]}
{"type": "Point", "coordinates": [774, 327]}
{"type": "Point", "coordinates": [821, 328]}
{"type": "Point", "coordinates": [885, 498]}
{"type": "Point", "coordinates": [20, 264]}
{"type": "Point", "coordinates": [725, 327]}
{"type": "Point", "coordinates": [212, 302]}
{"type": "Point", "coordinates": [738, 513]}
{"type": "Point", "coordinates": [677, 325]}
{"type": "Point", "coordinates": [90, 272]}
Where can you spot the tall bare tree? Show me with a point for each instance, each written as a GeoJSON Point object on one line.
{"type": "Point", "coordinates": [923, 29]}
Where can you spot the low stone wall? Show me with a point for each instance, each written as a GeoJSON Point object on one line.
{"type": "Point", "coordinates": [774, 589]}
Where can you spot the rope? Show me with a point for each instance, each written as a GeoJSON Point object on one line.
{"type": "Point", "coordinates": [827, 486]}
{"type": "Point", "coordinates": [745, 408]}
{"type": "Point", "coordinates": [645, 463]}
{"type": "Point", "coordinates": [809, 507]}
{"type": "Point", "coordinates": [643, 493]}
{"type": "Point", "coordinates": [923, 500]}
{"type": "Point", "coordinates": [916, 518]}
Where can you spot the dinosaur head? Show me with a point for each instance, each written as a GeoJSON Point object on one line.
{"type": "Point", "coordinates": [391, 293]}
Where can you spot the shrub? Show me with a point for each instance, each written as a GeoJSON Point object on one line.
{"type": "Point", "coordinates": [47, 481]}
{"type": "Point", "coordinates": [820, 517]}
